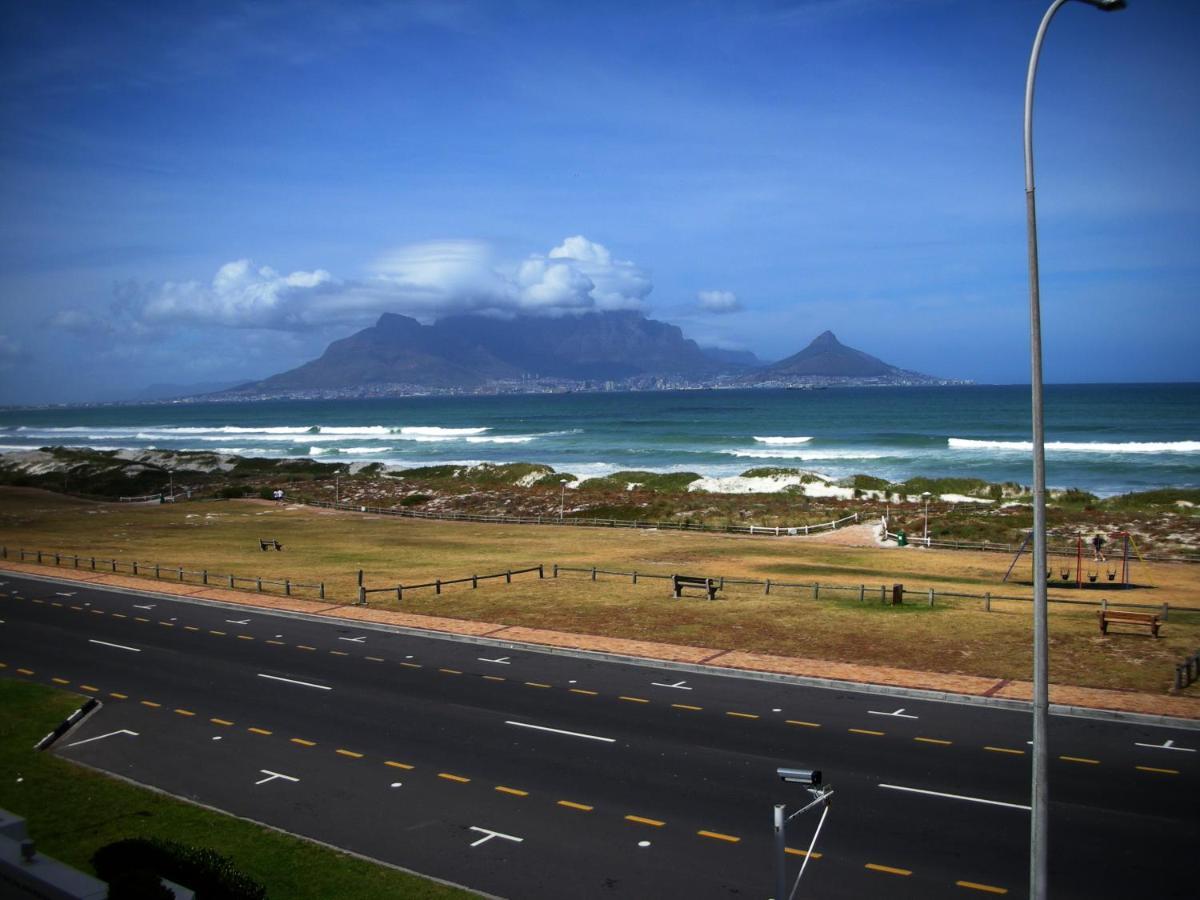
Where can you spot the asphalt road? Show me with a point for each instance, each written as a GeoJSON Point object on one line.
{"type": "Point", "coordinates": [529, 774]}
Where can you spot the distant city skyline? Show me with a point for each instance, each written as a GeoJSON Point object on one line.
{"type": "Point", "coordinates": [214, 193]}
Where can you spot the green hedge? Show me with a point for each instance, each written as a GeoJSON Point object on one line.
{"type": "Point", "coordinates": [210, 874]}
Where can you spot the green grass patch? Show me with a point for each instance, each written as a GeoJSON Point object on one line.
{"type": "Point", "coordinates": [669, 482]}
{"type": "Point", "coordinates": [73, 812]}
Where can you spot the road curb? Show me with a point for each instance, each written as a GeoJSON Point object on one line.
{"type": "Point", "coordinates": [67, 724]}
{"type": "Point", "coordinates": [1064, 710]}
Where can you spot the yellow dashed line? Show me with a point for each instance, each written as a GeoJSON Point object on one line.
{"type": "Point", "coordinates": [258, 731]}
{"type": "Point", "coordinates": [409, 665]}
{"type": "Point", "coordinates": [450, 671]}
{"type": "Point", "coordinates": [220, 721]}
{"type": "Point", "coordinates": [143, 619]}
{"type": "Point", "coordinates": [536, 684]}
{"type": "Point", "coordinates": [1159, 771]}
{"type": "Point", "coordinates": [937, 741]}
{"type": "Point", "coordinates": [875, 867]}
{"type": "Point", "coordinates": [217, 633]}
{"type": "Point", "coordinates": [1080, 759]}
{"type": "Point", "coordinates": [304, 647]}
{"type": "Point", "coordinates": [741, 715]}
{"type": "Point", "coordinates": [514, 791]}
{"type": "Point", "coordinates": [119, 616]}
{"type": "Point", "coordinates": [865, 731]}
{"type": "Point", "coordinates": [717, 836]}
{"type": "Point", "coordinates": [168, 624]}
{"type": "Point", "coordinates": [118, 696]}
{"type": "Point", "coordinates": [396, 765]}
{"type": "Point", "coordinates": [642, 820]}
{"type": "Point", "coordinates": [35, 600]}
{"type": "Point", "coordinates": [60, 681]}
{"type": "Point", "coordinates": [634, 699]}
{"type": "Point", "coordinates": [185, 712]}
{"type": "Point", "coordinates": [349, 753]}
{"type": "Point", "coordinates": [56, 603]}
{"type": "Point", "coordinates": [450, 777]}
{"type": "Point", "coordinates": [570, 804]}
{"type": "Point", "coordinates": [96, 612]}
{"type": "Point", "coordinates": [3, 665]}
{"type": "Point", "coordinates": [986, 888]}
{"type": "Point", "coordinates": [151, 704]}
{"type": "Point", "coordinates": [303, 743]}
{"type": "Point", "coordinates": [803, 724]}
{"type": "Point", "coordinates": [275, 642]}
{"type": "Point", "coordinates": [373, 658]}
{"type": "Point", "coordinates": [1005, 750]}
{"type": "Point", "coordinates": [486, 677]}
{"type": "Point", "coordinates": [191, 628]}
{"type": "Point", "coordinates": [339, 652]}
{"type": "Point", "coordinates": [80, 609]}
{"type": "Point", "coordinates": [245, 637]}
{"type": "Point", "coordinates": [687, 707]}
{"type": "Point", "coordinates": [585, 693]}
{"type": "Point", "coordinates": [794, 852]}
{"type": "Point", "coordinates": [25, 671]}
{"type": "Point", "coordinates": [88, 687]}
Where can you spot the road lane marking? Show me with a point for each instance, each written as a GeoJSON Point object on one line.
{"type": "Point", "coordinates": [350, 753]}
{"type": "Point", "coordinates": [191, 628]}
{"type": "Point", "coordinates": [459, 778]}
{"type": "Point", "coordinates": [679, 685]}
{"type": "Point", "coordinates": [217, 633]}
{"type": "Point", "coordinates": [185, 712]}
{"type": "Point", "coordinates": [303, 743]}
{"type": "Point", "coordinates": [890, 870]}
{"type": "Point", "coordinates": [304, 647]}
{"type": "Point", "coordinates": [373, 658]}
{"type": "Point", "coordinates": [220, 721]}
{"type": "Point", "coordinates": [486, 677]}
{"type": "Point", "coordinates": [168, 624]}
{"type": "Point", "coordinates": [450, 671]}
{"type": "Point", "coordinates": [1166, 745]}
{"type": "Point", "coordinates": [571, 804]}
{"type": "Point", "coordinates": [355, 640]}
{"type": "Point", "coordinates": [1080, 759]}
{"type": "Point", "coordinates": [258, 731]}
{"type": "Point", "coordinates": [578, 734]}
{"type": "Point", "coordinates": [143, 619]}
{"type": "Point", "coordinates": [144, 605]}
{"type": "Point", "coordinates": [938, 741]}
{"type": "Point", "coordinates": [238, 621]}
{"type": "Point", "coordinates": [633, 699]}
{"type": "Point", "coordinates": [585, 693]}
{"type": "Point", "coordinates": [339, 652]}
{"type": "Point", "coordinates": [499, 660]}
{"type": "Point", "coordinates": [275, 642]}
{"type": "Point", "coordinates": [397, 765]}
{"type": "Point", "coordinates": [912, 790]}
{"type": "Point", "coordinates": [1005, 750]}
{"type": "Point", "coordinates": [986, 888]}
{"type": "Point", "coordinates": [792, 851]}
{"type": "Point", "coordinates": [900, 713]}
{"type": "Point", "coordinates": [271, 776]}
{"type": "Point", "coordinates": [687, 707]}
{"type": "Point", "coordinates": [25, 671]}
{"type": "Point", "coordinates": [488, 834]}
{"type": "Point", "coordinates": [516, 792]}
{"type": "Point", "coordinates": [60, 681]}
{"type": "Point", "coordinates": [101, 737]}
{"type": "Point", "coordinates": [151, 704]}
{"type": "Point", "coordinates": [245, 637]}
{"type": "Point", "coordinates": [320, 687]}
{"type": "Point", "coordinates": [536, 684]}
{"type": "Point", "coordinates": [718, 836]}
{"type": "Point", "coordinates": [741, 715]}
{"type": "Point", "coordinates": [119, 615]}
{"type": "Point", "coordinates": [117, 646]}
{"type": "Point", "coordinates": [642, 820]}
{"type": "Point", "coordinates": [865, 731]}
{"type": "Point", "coordinates": [1157, 770]}
{"type": "Point", "coordinates": [409, 665]}
{"type": "Point", "coordinates": [118, 696]}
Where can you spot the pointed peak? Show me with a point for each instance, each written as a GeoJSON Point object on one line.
{"type": "Point", "coordinates": [826, 339]}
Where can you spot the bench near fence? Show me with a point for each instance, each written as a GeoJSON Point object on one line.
{"type": "Point", "coordinates": [1114, 617]}
{"type": "Point", "coordinates": [679, 582]}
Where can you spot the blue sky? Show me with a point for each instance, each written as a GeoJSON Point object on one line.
{"type": "Point", "coordinates": [212, 192]}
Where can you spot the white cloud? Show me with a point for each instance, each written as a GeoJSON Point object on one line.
{"type": "Point", "coordinates": [425, 280]}
{"type": "Point", "coordinates": [718, 301]}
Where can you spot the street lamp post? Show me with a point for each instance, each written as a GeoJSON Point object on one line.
{"type": "Point", "coordinates": [926, 495]}
{"type": "Point", "coordinates": [562, 500]}
{"type": "Point", "coordinates": [1041, 695]}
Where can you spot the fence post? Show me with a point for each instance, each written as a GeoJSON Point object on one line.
{"type": "Point", "coordinates": [181, 573]}
{"type": "Point", "coordinates": [556, 570]}
{"type": "Point", "coordinates": [321, 590]}
{"type": "Point", "coordinates": [156, 570]}
{"type": "Point", "coordinates": [635, 577]}
{"type": "Point", "coordinates": [593, 573]}
{"type": "Point", "coordinates": [541, 571]}
{"type": "Point", "coordinates": [767, 587]}
{"type": "Point", "coordinates": [862, 593]}
{"type": "Point", "coordinates": [260, 583]}
{"type": "Point", "coordinates": [508, 577]}
{"type": "Point", "coordinates": [56, 558]}
{"type": "Point", "coordinates": [816, 590]}
{"type": "Point", "coordinates": [39, 557]}
{"type": "Point", "coordinates": [474, 581]}
{"type": "Point", "coordinates": [93, 560]}
{"type": "Point", "coordinates": [287, 587]}
{"type": "Point", "coordinates": [437, 585]}
{"type": "Point", "coordinates": [883, 593]}
{"type": "Point", "coordinates": [931, 598]}
{"type": "Point", "coordinates": [135, 571]}
{"type": "Point", "coordinates": [398, 593]}
{"type": "Point", "coordinates": [362, 596]}
{"type": "Point", "coordinates": [360, 581]}
{"type": "Point", "coordinates": [1104, 604]}
{"type": "Point", "coordinates": [231, 582]}
{"type": "Point", "coordinates": [987, 602]}
{"type": "Point", "coordinates": [1165, 610]}
{"type": "Point", "coordinates": [77, 563]}
{"type": "Point", "coordinates": [897, 594]}
{"type": "Point", "coordinates": [114, 565]}
{"type": "Point", "coordinates": [3, 553]}
{"type": "Point", "coordinates": [722, 585]}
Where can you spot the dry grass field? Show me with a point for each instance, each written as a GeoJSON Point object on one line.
{"type": "Point", "coordinates": [954, 636]}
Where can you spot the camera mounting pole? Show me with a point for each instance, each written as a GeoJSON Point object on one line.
{"type": "Point", "coordinates": [820, 797]}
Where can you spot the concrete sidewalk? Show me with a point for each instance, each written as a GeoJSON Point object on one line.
{"type": "Point", "coordinates": [1186, 707]}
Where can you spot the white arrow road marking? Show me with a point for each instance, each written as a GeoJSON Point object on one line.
{"type": "Point", "coordinates": [144, 606]}
{"type": "Point", "coordinates": [238, 621]}
{"type": "Point", "coordinates": [590, 737]}
{"type": "Point", "coordinates": [488, 834]}
{"type": "Point", "coordinates": [271, 776]}
{"type": "Point", "coordinates": [64, 593]}
{"type": "Point", "coordinates": [355, 640]}
{"type": "Point", "coordinates": [1165, 745]}
{"type": "Point", "coordinates": [898, 713]}
{"type": "Point", "coordinates": [912, 790]}
{"type": "Point", "coordinates": [679, 684]}
{"type": "Point", "coordinates": [502, 660]}
{"type": "Point", "coordinates": [117, 646]}
{"type": "Point", "coordinates": [321, 687]}
{"type": "Point", "coordinates": [101, 737]}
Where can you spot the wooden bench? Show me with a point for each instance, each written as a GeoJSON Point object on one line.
{"type": "Point", "coordinates": [679, 582]}
{"type": "Point", "coordinates": [267, 545]}
{"type": "Point", "coordinates": [1111, 617]}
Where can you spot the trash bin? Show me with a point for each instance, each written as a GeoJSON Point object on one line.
{"type": "Point", "coordinates": [901, 539]}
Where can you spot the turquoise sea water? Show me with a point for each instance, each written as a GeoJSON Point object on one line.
{"type": "Point", "coordinates": [1103, 438]}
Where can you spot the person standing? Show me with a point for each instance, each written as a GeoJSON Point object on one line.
{"type": "Point", "coordinates": [1098, 546]}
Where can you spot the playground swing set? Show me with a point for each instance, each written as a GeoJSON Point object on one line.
{"type": "Point", "coordinates": [1112, 567]}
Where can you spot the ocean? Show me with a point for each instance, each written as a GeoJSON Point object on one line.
{"type": "Point", "coordinates": [1106, 439]}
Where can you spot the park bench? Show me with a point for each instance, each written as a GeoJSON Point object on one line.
{"type": "Point", "coordinates": [267, 545]}
{"type": "Point", "coordinates": [679, 582]}
{"type": "Point", "coordinates": [1111, 617]}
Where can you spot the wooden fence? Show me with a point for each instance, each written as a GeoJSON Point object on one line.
{"type": "Point", "coordinates": [437, 584]}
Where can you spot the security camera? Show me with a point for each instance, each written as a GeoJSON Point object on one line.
{"type": "Point", "coordinates": [810, 777]}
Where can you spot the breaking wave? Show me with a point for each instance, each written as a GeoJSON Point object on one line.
{"type": "Point", "coordinates": [782, 440]}
{"type": "Point", "coordinates": [1079, 446]}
